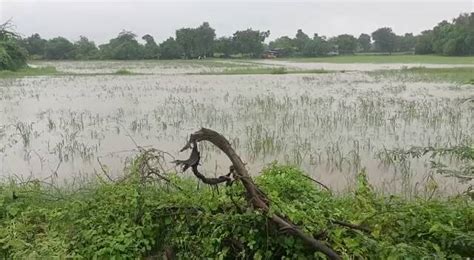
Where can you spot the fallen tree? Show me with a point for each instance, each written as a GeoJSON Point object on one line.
{"type": "Point", "coordinates": [254, 196]}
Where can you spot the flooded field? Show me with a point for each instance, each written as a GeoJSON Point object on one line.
{"type": "Point", "coordinates": [355, 66]}
{"type": "Point", "coordinates": [332, 125]}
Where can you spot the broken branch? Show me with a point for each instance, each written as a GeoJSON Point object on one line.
{"type": "Point", "coordinates": [255, 196]}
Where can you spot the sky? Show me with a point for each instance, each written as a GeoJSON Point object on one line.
{"type": "Point", "coordinates": [104, 19]}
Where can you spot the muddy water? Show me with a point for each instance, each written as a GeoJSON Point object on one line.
{"type": "Point", "coordinates": [331, 125]}
{"type": "Point", "coordinates": [354, 66]}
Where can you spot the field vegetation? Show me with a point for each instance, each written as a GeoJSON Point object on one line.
{"type": "Point", "coordinates": [29, 71]}
{"type": "Point", "coordinates": [147, 217]}
{"type": "Point", "coordinates": [462, 75]}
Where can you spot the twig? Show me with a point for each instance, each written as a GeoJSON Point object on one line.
{"type": "Point", "coordinates": [318, 182]}
{"type": "Point", "coordinates": [103, 170]}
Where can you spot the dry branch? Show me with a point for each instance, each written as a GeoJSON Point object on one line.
{"type": "Point", "coordinates": [255, 196]}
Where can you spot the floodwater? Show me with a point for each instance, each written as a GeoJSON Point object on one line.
{"type": "Point", "coordinates": [331, 125]}
{"type": "Point", "coordinates": [354, 66]}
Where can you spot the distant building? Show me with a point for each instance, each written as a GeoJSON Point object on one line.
{"type": "Point", "coordinates": [271, 54]}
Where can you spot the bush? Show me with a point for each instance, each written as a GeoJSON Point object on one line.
{"type": "Point", "coordinates": [132, 218]}
{"type": "Point", "coordinates": [12, 57]}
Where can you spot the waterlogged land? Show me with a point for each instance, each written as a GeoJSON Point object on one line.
{"type": "Point", "coordinates": [332, 121]}
{"type": "Point", "coordinates": [395, 58]}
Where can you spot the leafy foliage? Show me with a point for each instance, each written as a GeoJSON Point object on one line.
{"type": "Point", "coordinates": [84, 49]}
{"type": "Point", "coordinates": [35, 45]}
{"type": "Point", "coordinates": [196, 42]}
{"type": "Point", "coordinates": [347, 44]}
{"type": "Point", "coordinates": [12, 56]}
{"type": "Point", "coordinates": [59, 48]}
{"type": "Point", "coordinates": [285, 45]}
{"type": "Point", "coordinates": [406, 43]}
{"type": "Point", "coordinates": [384, 39]}
{"type": "Point", "coordinates": [133, 218]}
{"type": "Point", "coordinates": [250, 42]}
{"type": "Point", "coordinates": [456, 38]}
{"type": "Point", "coordinates": [151, 49]}
{"type": "Point", "coordinates": [123, 47]}
{"type": "Point", "coordinates": [318, 46]}
{"type": "Point", "coordinates": [170, 49]}
{"type": "Point", "coordinates": [364, 42]}
{"type": "Point", "coordinates": [224, 46]}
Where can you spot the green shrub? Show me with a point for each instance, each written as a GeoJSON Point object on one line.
{"type": "Point", "coordinates": [132, 219]}
{"type": "Point", "coordinates": [12, 57]}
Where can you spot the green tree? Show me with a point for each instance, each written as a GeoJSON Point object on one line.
{"type": "Point", "coordinates": [285, 44]}
{"type": "Point", "coordinates": [35, 45]}
{"type": "Point", "coordinates": [196, 42]}
{"type": "Point", "coordinates": [440, 36]}
{"type": "Point", "coordinates": [456, 38]}
{"type": "Point", "coordinates": [250, 42]}
{"type": "Point", "coordinates": [465, 30]}
{"type": "Point", "coordinates": [364, 42]}
{"type": "Point", "coordinates": [59, 48]}
{"type": "Point", "coordinates": [12, 56]}
{"type": "Point", "coordinates": [301, 39]}
{"type": "Point", "coordinates": [384, 40]}
{"type": "Point", "coordinates": [448, 38]}
{"type": "Point", "coordinates": [151, 49]}
{"type": "Point", "coordinates": [123, 47]}
{"type": "Point", "coordinates": [318, 46]}
{"type": "Point", "coordinates": [224, 46]}
{"type": "Point", "coordinates": [424, 43]}
{"type": "Point", "coordinates": [170, 49]}
{"type": "Point", "coordinates": [185, 37]}
{"type": "Point", "coordinates": [406, 42]}
{"type": "Point", "coordinates": [85, 49]}
{"type": "Point", "coordinates": [346, 44]}
{"type": "Point", "coordinates": [204, 40]}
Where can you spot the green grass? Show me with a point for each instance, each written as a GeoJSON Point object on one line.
{"type": "Point", "coordinates": [427, 59]}
{"type": "Point", "coordinates": [123, 72]}
{"type": "Point", "coordinates": [263, 70]}
{"type": "Point", "coordinates": [52, 71]}
{"type": "Point", "coordinates": [28, 72]}
{"type": "Point", "coordinates": [463, 75]}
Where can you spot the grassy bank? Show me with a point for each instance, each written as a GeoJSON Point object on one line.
{"type": "Point", "coordinates": [426, 59]}
{"type": "Point", "coordinates": [30, 71]}
{"type": "Point", "coordinates": [52, 71]}
{"type": "Point", "coordinates": [462, 75]}
{"type": "Point", "coordinates": [133, 218]}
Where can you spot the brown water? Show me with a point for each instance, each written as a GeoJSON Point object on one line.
{"type": "Point", "coordinates": [331, 125]}
{"type": "Point", "coordinates": [354, 66]}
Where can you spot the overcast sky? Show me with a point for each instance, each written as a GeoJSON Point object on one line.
{"type": "Point", "coordinates": [104, 19]}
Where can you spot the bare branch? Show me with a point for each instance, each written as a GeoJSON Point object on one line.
{"type": "Point", "coordinates": [254, 196]}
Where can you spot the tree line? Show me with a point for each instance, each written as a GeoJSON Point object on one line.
{"type": "Point", "coordinates": [446, 38]}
